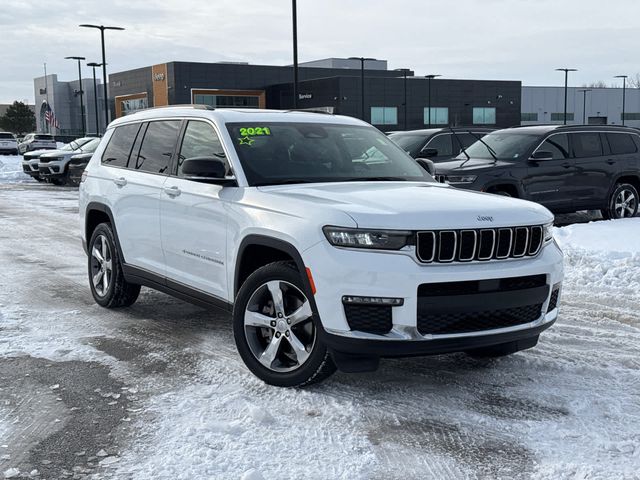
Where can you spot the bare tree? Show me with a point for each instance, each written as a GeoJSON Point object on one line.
{"type": "Point", "coordinates": [634, 80]}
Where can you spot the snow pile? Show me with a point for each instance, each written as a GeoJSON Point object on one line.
{"type": "Point", "coordinates": [11, 170]}
{"type": "Point", "coordinates": [602, 255]}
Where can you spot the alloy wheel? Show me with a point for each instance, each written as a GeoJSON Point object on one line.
{"type": "Point", "coordinates": [278, 326]}
{"type": "Point", "coordinates": [101, 265]}
{"type": "Point", "coordinates": [625, 204]}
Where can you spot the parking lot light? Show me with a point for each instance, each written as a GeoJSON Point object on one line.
{"type": "Point", "coordinates": [102, 28]}
{"type": "Point", "coordinates": [624, 91]}
{"type": "Point", "coordinates": [405, 72]}
{"type": "Point", "coordinates": [584, 104]}
{"type": "Point", "coordinates": [566, 79]}
{"type": "Point", "coordinates": [82, 120]}
{"type": "Point", "coordinates": [429, 77]}
{"type": "Point", "coordinates": [93, 65]}
{"type": "Point", "coordinates": [362, 60]}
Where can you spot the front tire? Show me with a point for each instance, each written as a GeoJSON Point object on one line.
{"type": "Point", "coordinates": [106, 279]}
{"type": "Point", "coordinates": [623, 202]}
{"type": "Point", "coordinates": [276, 329]}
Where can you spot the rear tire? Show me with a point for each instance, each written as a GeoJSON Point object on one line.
{"type": "Point", "coordinates": [623, 202]}
{"type": "Point", "coordinates": [106, 278]}
{"type": "Point", "coordinates": [503, 349]}
{"type": "Point", "coordinates": [276, 330]}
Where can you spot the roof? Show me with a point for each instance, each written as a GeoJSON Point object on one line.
{"type": "Point", "coordinates": [231, 115]}
{"type": "Point", "coordinates": [542, 129]}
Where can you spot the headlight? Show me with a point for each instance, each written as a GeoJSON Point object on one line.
{"type": "Point", "coordinates": [461, 178]}
{"type": "Point", "coordinates": [361, 238]}
{"type": "Point", "coordinates": [548, 232]}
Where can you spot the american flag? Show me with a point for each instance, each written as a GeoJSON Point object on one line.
{"type": "Point", "coordinates": [50, 118]}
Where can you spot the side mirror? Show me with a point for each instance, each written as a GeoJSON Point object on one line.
{"type": "Point", "coordinates": [542, 155]}
{"type": "Point", "coordinates": [429, 152]}
{"type": "Point", "coordinates": [428, 165]}
{"type": "Point", "coordinates": [205, 169]}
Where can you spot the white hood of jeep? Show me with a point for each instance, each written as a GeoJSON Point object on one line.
{"type": "Point", "coordinates": [413, 205]}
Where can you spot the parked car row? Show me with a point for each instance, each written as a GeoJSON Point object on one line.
{"type": "Point", "coordinates": [564, 168]}
{"type": "Point", "coordinates": [61, 166]}
{"type": "Point", "coordinates": [37, 141]}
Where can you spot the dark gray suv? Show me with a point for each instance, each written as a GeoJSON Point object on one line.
{"type": "Point", "coordinates": [564, 168]}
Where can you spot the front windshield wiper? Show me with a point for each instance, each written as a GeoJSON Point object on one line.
{"type": "Point", "coordinates": [491, 151]}
{"type": "Point", "coordinates": [464, 150]}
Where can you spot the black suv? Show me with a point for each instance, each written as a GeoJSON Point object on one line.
{"type": "Point", "coordinates": [438, 144]}
{"type": "Point", "coordinates": [564, 168]}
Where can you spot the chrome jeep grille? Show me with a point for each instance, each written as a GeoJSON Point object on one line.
{"type": "Point", "coordinates": [445, 246]}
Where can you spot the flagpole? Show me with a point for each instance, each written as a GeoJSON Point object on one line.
{"type": "Point", "coordinates": [46, 91]}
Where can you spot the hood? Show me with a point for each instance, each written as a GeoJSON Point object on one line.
{"type": "Point", "coordinates": [414, 205]}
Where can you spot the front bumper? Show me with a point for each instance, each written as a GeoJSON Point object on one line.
{"type": "Point", "coordinates": [50, 170]}
{"type": "Point", "coordinates": [339, 272]}
{"type": "Point", "coordinates": [31, 168]}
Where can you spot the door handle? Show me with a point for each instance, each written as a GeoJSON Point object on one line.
{"type": "Point", "coordinates": [566, 165]}
{"type": "Point", "coordinates": [121, 182]}
{"type": "Point", "coordinates": [611, 162]}
{"type": "Point", "coordinates": [172, 191]}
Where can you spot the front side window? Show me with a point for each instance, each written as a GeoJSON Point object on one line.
{"type": "Point", "coordinates": [439, 116]}
{"type": "Point", "coordinates": [558, 145]}
{"type": "Point", "coordinates": [507, 145]}
{"type": "Point", "coordinates": [484, 116]}
{"type": "Point", "coordinates": [442, 143]}
{"type": "Point", "coordinates": [200, 140]}
{"type": "Point", "coordinates": [384, 115]}
{"type": "Point", "coordinates": [117, 152]}
{"type": "Point", "coordinates": [278, 153]}
{"type": "Point", "coordinates": [409, 143]}
{"type": "Point", "coordinates": [621, 143]}
{"type": "Point", "coordinates": [157, 147]}
{"type": "Point", "coordinates": [586, 145]}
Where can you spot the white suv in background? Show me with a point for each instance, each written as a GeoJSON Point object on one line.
{"type": "Point", "coordinates": [330, 245]}
{"type": "Point", "coordinates": [37, 141]}
{"type": "Point", "coordinates": [8, 143]}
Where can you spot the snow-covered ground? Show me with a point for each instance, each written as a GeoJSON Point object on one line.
{"type": "Point", "coordinates": [158, 391]}
{"type": "Point", "coordinates": [11, 170]}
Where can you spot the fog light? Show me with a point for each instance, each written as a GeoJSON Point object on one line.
{"type": "Point", "coordinates": [384, 301]}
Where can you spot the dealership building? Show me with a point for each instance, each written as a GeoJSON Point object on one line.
{"type": "Point", "coordinates": [393, 99]}
{"type": "Point", "coordinates": [592, 106]}
{"type": "Point", "coordinates": [64, 100]}
{"type": "Point", "coordinates": [332, 85]}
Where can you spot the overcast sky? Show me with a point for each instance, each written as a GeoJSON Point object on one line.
{"type": "Point", "coordinates": [478, 39]}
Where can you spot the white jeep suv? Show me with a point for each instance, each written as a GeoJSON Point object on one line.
{"type": "Point", "coordinates": [330, 245]}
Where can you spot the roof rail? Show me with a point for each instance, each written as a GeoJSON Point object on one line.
{"type": "Point", "coordinates": [310, 110]}
{"type": "Point", "coordinates": [196, 106]}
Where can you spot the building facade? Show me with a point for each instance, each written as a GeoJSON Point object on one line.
{"type": "Point", "coordinates": [332, 85]}
{"type": "Point", "coordinates": [64, 100]}
{"type": "Point", "coordinates": [595, 106]}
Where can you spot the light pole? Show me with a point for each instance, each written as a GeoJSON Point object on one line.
{"type": "Point", "coordinates": [405, 72]}
{"type": "Point", "coordinates": [294, 15]}
{"type": "Point", "coordinates": [429, 78]}
{"type": "Point", "coordinates": [93, 65]}
{"type": "Point", "coordinates": [102, 28]}
{"type": "Point", "coordinates": [584, 104]}
{"type": "Point", "coordinates": [566, 80]}
{"type": "Point", "coordinates": [82, 120]}
{"type": "Point", "coordinates": [362, 60]}
{"type": "Point", "coordinates": [624, 91]}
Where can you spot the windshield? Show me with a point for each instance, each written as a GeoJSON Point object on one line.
{"type": "Point", "coordinates": [409, 143]}
{"type": "Point", "coordinates": [90, 146]}
{"type": "Point", "coordinates": [505, 145]}
{"type": "Point", "coordinates": [279, 153]}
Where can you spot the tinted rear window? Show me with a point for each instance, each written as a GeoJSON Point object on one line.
{"type": "Point", "coordinates": [586, 145]}
{"type": "Point", "coordinates": [44, 137]}
{"type": "Point", "coordinates": [7, 136]}
{"type": "Point", "coordinates": [621, 143]}
{"type": "Point", "coordinates": [117, 152]}
{"type": "Point", "coordinates": [157, 147]}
